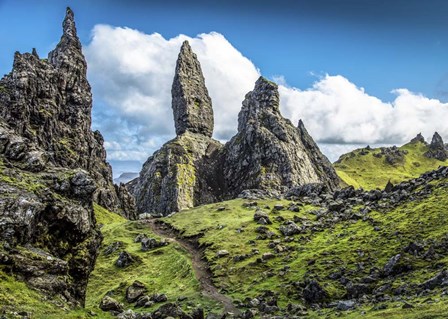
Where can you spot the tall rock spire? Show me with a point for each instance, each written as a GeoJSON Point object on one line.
{"type": "Point", "coordinates": [68, 52]}
{"type": "Point", "coordinates": [50, 103]}
{"type": "Point", "coordinates": [192, 106]}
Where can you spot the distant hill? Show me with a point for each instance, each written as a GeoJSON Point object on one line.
{"type": "Point", "coordinates": [372, 168]}
{"type": "Point", "coordinates": [125, 177]}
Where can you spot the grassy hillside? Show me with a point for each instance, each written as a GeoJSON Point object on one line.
{"type": "Point", "coordinates": [358, 246]}
{"type": "Point", "coordinates": [163, 270]}
{"type": "Point", "coordinates": [365, 168]}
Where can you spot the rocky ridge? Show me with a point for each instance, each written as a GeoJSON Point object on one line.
{"type": "Point", "coordinates": [49, 102]}
{"type": "Point", "coordinates": [52, 170]}
{"type": "Point", "coordinates": [268, 153]}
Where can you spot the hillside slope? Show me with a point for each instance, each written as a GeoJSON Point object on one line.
{"type": "Point", "coordinates": [373, 168]}
{"type": "Point", "coordinates": [378, 254]}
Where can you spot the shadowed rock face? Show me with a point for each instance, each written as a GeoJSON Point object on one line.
{"type": "Point", "coordinates": [49, 102]}
{"type": "Point", "coordinates": [437, 148]}
{"type": "Point", "coordinates": [268, 152]}
{"type": "Point", "coordinates": [52, 168]}
{"type": "Point", "coordinates": [192, 106]}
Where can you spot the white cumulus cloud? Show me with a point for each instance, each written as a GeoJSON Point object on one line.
{"type": "Point", "coordinates": [131, 74]}
{"type": "Point", "coordinates": [337, 111]}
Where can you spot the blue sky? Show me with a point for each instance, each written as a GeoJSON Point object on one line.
{"type": "Point", "coordinates": [367, 48]}
{"type": "Point", "coordinates": [379, 45]}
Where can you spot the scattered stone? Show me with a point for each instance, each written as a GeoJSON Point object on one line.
{"type": "Point", "coordinates": [115, 246]}
{"type": "Point", "coordinates": [222, 253]}
{"type": "Point", "coordinates": [135, 291]}
{"type": "Point", "coordinates": [438, 280]}
{"type": "Point", "coordinates": [158, 298]}
{"type": "Point", "coordinates": [389, 187]}
{"type": "Point", "coordinates": [267, 256]}
{"type": "Point", "coordinates": [407, 306]}
{"type": "Point", "coordinates": [262, 218]}
{"type": "Point", "coordinates": [289, 228]}
{"type": "Point", "coordinates": [110, 304]}
{"type": "Point", "coordinates": [313, 293]}
{"type": "Point", "coordinates": [168, 310]}
{"type": "Point", "coordinates": [124, 260]}
{"type": "Point", "coordinates": [278, 207]}
{"type": "Point", "coordinates": [390, 266]}
{"type": "Point", "coordinates": [128, 314]}
{"type": "Point", "coordinates": [144, 302]}
{"type": "Point", "coordinates": [152, 243]}
{"type": "Point", "coordinates": [344, 305]}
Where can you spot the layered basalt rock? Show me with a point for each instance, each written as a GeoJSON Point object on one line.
{"type": "Point", "coordinates": [268, 153]}
{"type": "Point", "coordinates": [49, 102]}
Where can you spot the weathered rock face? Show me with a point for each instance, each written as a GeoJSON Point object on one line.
{"type": "Point", "coordinates": [180, 175]}
{"type": "Point", "coordinates": [268, 152]}
{"type": "Point", "coordinates": [192, 106]}
{"type": "Point", "coordinates": [52, 168]}
{"type": "Point", "coordinates": [48, 235]}
{"type": "Point", "coordinates": [49, 102]}
{"type": "Point", "coordinates": [437, 148]}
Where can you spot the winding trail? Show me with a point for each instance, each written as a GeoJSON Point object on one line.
{"type": "Point", "coordinates": [200, 267]}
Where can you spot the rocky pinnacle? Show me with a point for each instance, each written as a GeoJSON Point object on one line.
{"type": "Point", "coordinates": [437, 148]}
{"type": "Point", "coordinates": [268, 152]}
{"type": "Point", "coordinates": [68, 52]}
{"type": "Point", "coordinates": [192, 106]}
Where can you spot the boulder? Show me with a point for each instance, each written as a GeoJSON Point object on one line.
{"type": "Point", "coordinates": [135, 291]}
{"type": "Point", "coordinates": [110, 304]}
{"type": "Point", "coordinates": [313, 293]}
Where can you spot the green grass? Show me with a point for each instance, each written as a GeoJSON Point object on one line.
{"type": "Point", "coordinates": [370, 172]}
{"type": "Point", "coordinates": [164, 270]}
{"type": "Point", "coordinates": [338, 245]}
{"type": "Point", "coordinates": [16, 296]}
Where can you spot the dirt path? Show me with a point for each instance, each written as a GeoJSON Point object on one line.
{"type": "Point", "coordinates": [200, 267]}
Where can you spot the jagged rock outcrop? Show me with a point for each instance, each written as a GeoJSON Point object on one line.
{"type": "Point", "coordinates": [52, 169]}
{"type": "Point", "coordinates": [418, 139]}
{"type": "Point", "coordinates": [192, 106]}
{"type": "Point", "coordinates": [179, 175]}
{"type": "Point", "coordinates": [269, 152]}
{"type": "Point", "coordinates": [437, 148]}
{"type": "Point", "coordinates": [49, 102]}
{"type": "Point", "coordinates": [182, 173]}
{"type": "Point", "coordinates": [48, 235]}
